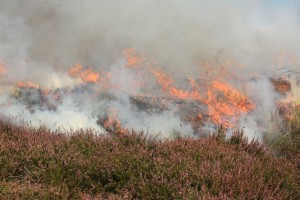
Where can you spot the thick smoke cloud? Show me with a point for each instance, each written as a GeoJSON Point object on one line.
{"type": "Point", "coordinates": [177, 33]}
{"type": "Point", "coordinates": [41, 40]}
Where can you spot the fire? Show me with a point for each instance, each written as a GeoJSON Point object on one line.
{"type": "Point", "coordinates": [86, 75]}
{"type": "Point", "coordinates": [2, 68]}
{"type": "Point", "coordinates": [163, 79]}
{"type": "Point", "coordinates": [113, 125]}
{"type": "Point", "coordinates": [132, 58]}
{"type": "Point", "coordinates": [76, 70]}
{"type": "Point", "coordinates": [21, 84]}
{"type": "Point", "coordinates": [236, 98]}
{"type": "Point", "coordinates": [89, 75]}
{"type": "Point", "coordinates": [225, 104]}
{"type": "Point", "coordinates": [167, 86]}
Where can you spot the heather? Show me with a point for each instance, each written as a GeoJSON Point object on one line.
{"type": "Point", "coordinates": [36, 163]}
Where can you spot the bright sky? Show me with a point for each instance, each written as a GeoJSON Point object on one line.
{"type": "Point", "coordinates": [281, 2]}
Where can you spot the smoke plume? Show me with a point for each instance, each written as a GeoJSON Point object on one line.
{"type": "Point", "coordinates": [41, 40]}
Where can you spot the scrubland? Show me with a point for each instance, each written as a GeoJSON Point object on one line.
{"type": "Point", "coordinates": [36, 163]}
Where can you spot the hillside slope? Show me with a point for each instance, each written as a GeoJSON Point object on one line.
{"type": "Point", "coordinates": [38, 164]}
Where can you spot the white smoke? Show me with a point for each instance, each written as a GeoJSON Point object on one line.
{"type": "Point", "coordinates": [41, 40]}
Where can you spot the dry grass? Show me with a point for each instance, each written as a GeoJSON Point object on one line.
{"type": "Point", "coordinates": [39, 164]}
{"type": "Point", "coordinates": [287, 142]}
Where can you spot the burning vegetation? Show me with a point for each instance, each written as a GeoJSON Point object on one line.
{"type": "Point", "coordinates": [199, 103]}
{"type": "Point", "coordinates": [281, 85]}
{"type": "Point", "coordinates": [130, 69]}
{"type": "Point", "coordinates": [86, 75]}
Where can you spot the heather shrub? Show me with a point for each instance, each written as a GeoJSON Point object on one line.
{"type": "Point", "coordinates": [39, 164]}
{"type": "Point", "coordinates": [239, 139]}
{"type": "Point", "coordinates": [220, 134]}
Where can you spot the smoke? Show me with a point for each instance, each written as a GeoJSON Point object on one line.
{"type": "Point", "coordinates": [41, 40]}
{"type": "Point", "coordinates": [177, 33]}
{"type": "Point", "coordinates": [256, 123]}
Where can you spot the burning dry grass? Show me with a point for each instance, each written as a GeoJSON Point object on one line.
{"type": "Point", "coordinates": [38, 164]}
{"type": "Point", "coordinates": [86, 75]}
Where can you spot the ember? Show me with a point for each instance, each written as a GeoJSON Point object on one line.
{"type": "Point", "coordinates": [281, 85]}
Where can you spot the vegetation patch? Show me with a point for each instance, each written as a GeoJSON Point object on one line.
{"type": "Point", "coordinates": [39, 164]}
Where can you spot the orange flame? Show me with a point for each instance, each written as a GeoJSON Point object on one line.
{"type": "Point", "coordinates": [86, 75]}
{"type": "Point", "coordinates": [2, 68]}
{"type": "Point", "coordinates": [163, 79]}
{"type": "Point", "coordinates": [89, 75]}
{"type": "Point", "coordinates": [21, 84]}
{"type": "Point", "coordinates": [166, 83]}
{"type": "Point", "coordinates": [225, 104]}
{"type": "Point", "coordinates": [133, 59]}
{"type": "Point", "coordinates": [75, 71]}
{"type": "Point", "coordinates": [112, 124]}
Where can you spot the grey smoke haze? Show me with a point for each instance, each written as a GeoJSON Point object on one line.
{"type": "Point", "coordinates": [176, 33]}
{"type": "Point", "coordinates": [40, 40]}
